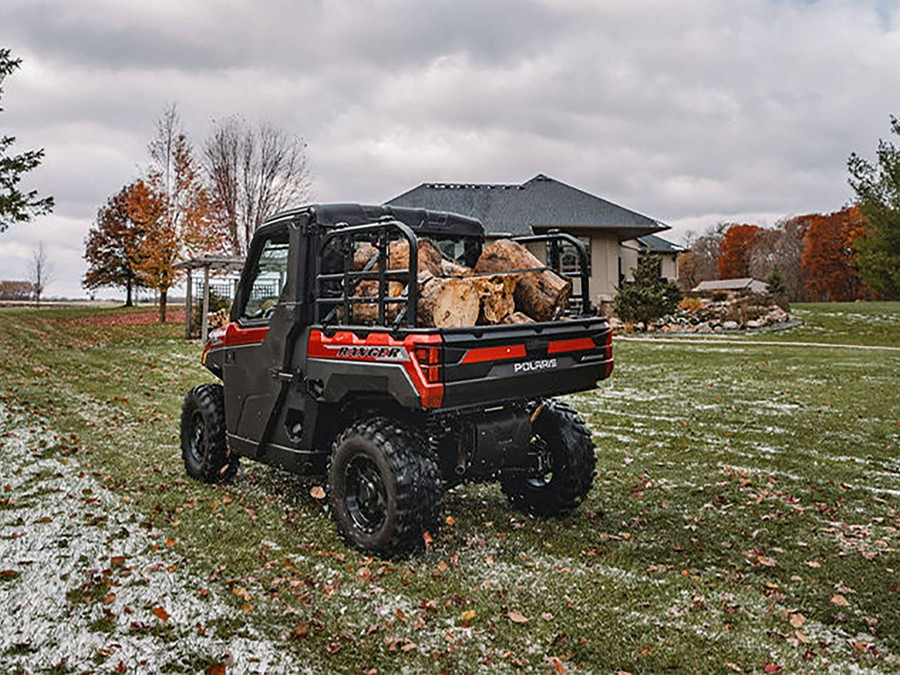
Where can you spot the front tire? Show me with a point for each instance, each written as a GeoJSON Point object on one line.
{"type": "Point", "coordinates": [203, 448]}
{"type": "Point", "coordinates": [385, 490]}
{"type": "Point", "coordinates": [563, 467]}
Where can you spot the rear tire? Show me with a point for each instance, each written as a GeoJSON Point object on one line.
{"type": "Point", "coordinates": [203, 448]}
{"type": "Point", "coordinates": [384, 487]}
{"type": "Point", "coordinates": [564, 463]}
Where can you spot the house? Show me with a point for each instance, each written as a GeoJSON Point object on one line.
{"type": "Point", "coordinates": [744, 285]}
{"type": "Point", "coordinates": [613, 235]}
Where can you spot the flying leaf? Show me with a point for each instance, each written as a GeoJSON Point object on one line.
{"type": "Point", "coordinates": [317, 492]}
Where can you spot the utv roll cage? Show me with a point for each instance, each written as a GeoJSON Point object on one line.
{"type": "Point", "coordinates": [337, 289]}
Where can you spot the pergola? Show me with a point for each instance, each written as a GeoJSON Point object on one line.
{"type": "Point", "coordinates": [208, 263]}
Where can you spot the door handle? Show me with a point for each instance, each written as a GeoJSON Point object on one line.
{"type": "Point", "coordinates": [229, 357]}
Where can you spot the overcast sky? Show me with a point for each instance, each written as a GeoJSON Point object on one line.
{"type": "Point", "coordinates": [692, 112]}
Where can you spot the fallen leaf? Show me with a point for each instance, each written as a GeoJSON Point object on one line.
{"type": "Point", "coordinates": [9, 574]}
{"type": "Point", "coordinates": [216, 669]}
{"type": "Point", "coordinates": [468, 615]}
{"type": "Point", "coordinates": [547, 616]}
{"type": "Point", "coordinates": [768, 562]}
{"type": "Point", "coordinates": [408, 646]}
{"type": "Point", "coordinates": [772, 667]}
{"type": "Point", "coordinates": [242, 593]}
{"type": "Point", "coordinates": [839, 600]}
{"type": "Point", "coordinates": [813, 564]}
{"type": "Point", "coordinates": [170, 542]}
{"type": "Point", "coordinates": [797, 620]}
{"type": "Point", "coordinates": [558, 665]}
{"type": "Point", "coordinates": [516, 616]}
{"type": "Point", "coordinates": [317, 492]}
{"type": "Point", "coordinates": [449, 520]}
{"type": "Point", "coordinates": [801, 637]}
{"type": "Point", "coordinates": [734, 667]}
{"type": "Point", "coordinates": [301, 630]}
{"type": "Point", "coordinates": [109, 598]}
{"type": "Point", "coordinates": [426, 537]}
{"type": "Point", "coordinates": [162, 614]}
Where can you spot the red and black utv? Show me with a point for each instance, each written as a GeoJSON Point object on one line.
{"type": "Point", "coordinates": [391, 413]}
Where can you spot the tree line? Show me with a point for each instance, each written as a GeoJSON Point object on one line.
{"type": "Point", "coordinates": [186, 203]}
{"type": "Point", "coordinates": [849, 254]}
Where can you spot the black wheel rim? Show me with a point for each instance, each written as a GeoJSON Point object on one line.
{"type": "Point", "coordinates": [197, 442]}
{"type": "Point", "coordinates": [366, 495]}
{"type": "Point", "coordinates": [542, 467]}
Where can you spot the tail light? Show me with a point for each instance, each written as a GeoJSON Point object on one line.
{"type": "Point", "coordinates": [608, 353]}
{"type": "Point", "coordinates": [429, 359]}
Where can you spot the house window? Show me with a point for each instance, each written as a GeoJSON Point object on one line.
{"type": "Point", "coordinates": [568, 257]}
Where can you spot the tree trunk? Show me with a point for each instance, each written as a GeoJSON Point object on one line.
{"type": "Point", "coordinates": [162, 305]}
{"type": "Point", "coordinates": [128, 285]}
{"type": "Point", "coordinates": [541, 295]}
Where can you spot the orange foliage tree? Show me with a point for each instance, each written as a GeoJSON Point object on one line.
{"type": "Point", "coordinates": [173, 207]}
{"type": "Point", "coordinates": [735, 251]}
{"type": "Point", "coordinates": [113, 243]}
{"type": "Point", "coordinates": [829, 254]}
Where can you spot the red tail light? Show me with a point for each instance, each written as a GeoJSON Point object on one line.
{"type": "Point", "coordinates": [608, 356]}
{"type": "Point", "coordinates": [429, 359]}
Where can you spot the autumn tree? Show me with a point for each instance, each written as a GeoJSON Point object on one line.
{"type": "Point", "coordinates": [878, 197]}
{"type": "Point", "coordinates": [17, 206]}
{"type": "Point", "coordinates": [113, 245]}
{"type": "Point", "coordinates": [735, 251]}
{"type": "Point", "coordinates": [253, 172]}
{"type": "Point", "coordinates": [173, 208]}
{"type": "Point", "coordinates": [829, 255]}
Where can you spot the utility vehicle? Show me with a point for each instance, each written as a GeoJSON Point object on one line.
{"type": "Point", "coordinates": [391, 413]}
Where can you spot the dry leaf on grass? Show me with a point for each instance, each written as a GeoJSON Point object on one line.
{"type": "Point", "coordinates": [516, 616]}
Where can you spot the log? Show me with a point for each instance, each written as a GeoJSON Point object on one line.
{"type": "Point", "coordinates": [541, 295]}
{"type": "Point", "coordinates": [517, 317]}
{"type": "Point", "coordinates": [366, 312]}
{"type": "Point", "coordinates": [429, 257]}
{"type": "Point", "coordinates": [497, 297]}
{"type": "Point", "coordinates": [448, 303]}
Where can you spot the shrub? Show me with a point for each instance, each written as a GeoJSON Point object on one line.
{"type": "Point", "coordinates": [648, 297]}
{"type": "Point", "coordinates": [690, 304]}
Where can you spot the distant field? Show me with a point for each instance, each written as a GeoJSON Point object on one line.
{"type": "Point", "coordinates": [744, 519]}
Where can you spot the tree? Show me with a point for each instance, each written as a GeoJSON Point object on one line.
{"type": "Point", "coordinates": [829, 254]}
{"type": "Point", "coordinates": [17, 206]}
{"type": "Point", "coordinates": [113, 245]}
{"type": "Point", "coordinates": [649, 296]}
{"type": "Point", "coordinates": [775, 284]}
{"type": "Point", "coordinates": [700, 262]}
{"type": "Point", "coordinates": [878, 197]}
{"type": "Point", "coordinates": [172, 207]}
{"type": "Point", "coordinates": [252, 173]}
{"type": "Point", "coordinates": [735, 251]}
{"type": "Point", "coordinates": [40, 272]}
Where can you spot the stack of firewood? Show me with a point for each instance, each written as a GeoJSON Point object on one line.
{"type": "Point", "coordinates": [507, 285]}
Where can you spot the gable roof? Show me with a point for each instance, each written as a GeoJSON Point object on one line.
{"type": "Point", "coordinates": [541, 202]}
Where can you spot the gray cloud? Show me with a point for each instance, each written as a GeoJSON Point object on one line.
{"type": "Point", "coordinates": [689, 112]}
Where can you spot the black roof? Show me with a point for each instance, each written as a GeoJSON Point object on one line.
{"type": "Point", "coordinates": [650, 243]}
{"type": "Point", "coordinates": [541, 202]}
{"type": "Point", "coordinates": [424, 221]}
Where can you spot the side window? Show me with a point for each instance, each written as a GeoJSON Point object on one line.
{"type": "Point", "coordinates": [270, 275]}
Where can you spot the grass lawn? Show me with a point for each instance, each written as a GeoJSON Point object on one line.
{"type": "Point", "coordinates": [744, 516]}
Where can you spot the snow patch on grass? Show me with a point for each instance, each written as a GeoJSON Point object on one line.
{"type": "Point", "coordinates": [86, 584]}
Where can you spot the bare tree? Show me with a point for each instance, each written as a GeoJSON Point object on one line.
{"type": "Point", "coordinates": [702, 262]}
{"type": "Point", "coordinates": [253, 172]}
{"type": "Point", "coordinates": [40, 273]}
